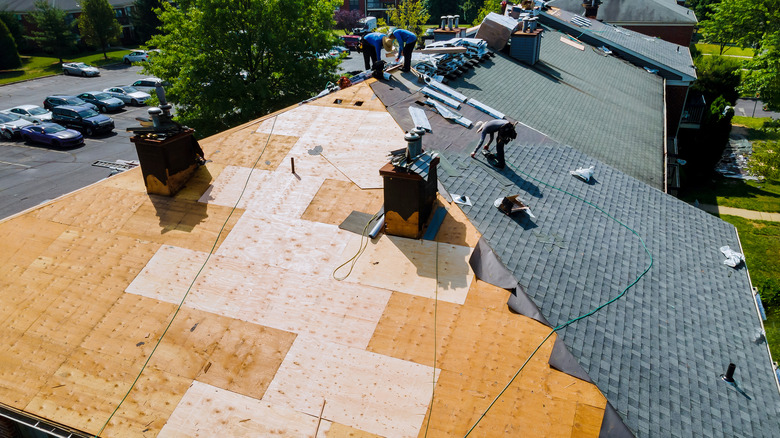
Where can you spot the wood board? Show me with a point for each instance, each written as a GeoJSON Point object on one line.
{"type": "Point", "coordinates": [371, 392]}
{"type": "Point", "coordinates": [248, 148]}
{"type": "Point", "coordinates": [207, 411]}
{"type": "Point", "coordinates": [336, 199]}
{"type": "Point", "coordinates": [358, 96]}
{"type": "Point", "coordinates": [412, 266]}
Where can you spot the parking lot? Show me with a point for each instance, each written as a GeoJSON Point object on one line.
{"type": "Point", "coordinates": [32, 173]}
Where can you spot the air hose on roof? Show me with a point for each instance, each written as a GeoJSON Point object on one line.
{"type": "Point", "coordinates": [586, 315]}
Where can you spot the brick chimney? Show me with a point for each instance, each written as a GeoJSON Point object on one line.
{"type": "Point", "coordinates": [591, 8]}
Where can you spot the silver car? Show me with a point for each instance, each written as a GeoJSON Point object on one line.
{"type": "Point", "coordinates": [128, 94]}
{"type": "Point", "coordinates": [11, 124]}
{"type": "Point", "coordinates": [79, 69]}
{"type": "Point", "coordinates": [33, 113]}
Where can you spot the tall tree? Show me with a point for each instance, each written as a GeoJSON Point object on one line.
{"type": "Point", "coordinates": [437, 8]}
{"type": "Point", "coordinates": [717, 76]}
{"type": "Point", "coordinates": [347, 19]}
{"type": "Point", "coordinates": [487, 7]}
{"type": "Point", "coordinates": [15, 27]}
{"type": "Point", "coordinates": [469, 9]}
{"type": "Point", "coordinates": [701, 8]}
{"type": "Point", "coordinates": [9, 56]}
{"type": "Point", "coordinates": [98, 25]}
{"type": "Point", "coordinates": [763, 76]}
{"type": "Point", "coordinates": [144, 18]}
{"type": "Point", "coordinates": [54, 33]}
{"type": "Point", "coordinates": [738, 22]}
{"type": "Point", "coordinates": [230, 61]}
{"type": "Point", "coordinates": [410, 15]}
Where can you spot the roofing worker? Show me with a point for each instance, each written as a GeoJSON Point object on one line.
{"type": "Point", "coordinates": [506, 133]}
{"type": "Point", "coordinates": [372, 47]}
{"type": "Point", "coordinates": [406, 42]}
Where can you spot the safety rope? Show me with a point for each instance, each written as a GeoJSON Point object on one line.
{"type": "Point", "coordinates": [586, 315]}
{"type": "Point", "coordinates": [181, 303]}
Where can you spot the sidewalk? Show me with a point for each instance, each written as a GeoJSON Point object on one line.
{"type": "Point", "coordinates": [748, 214]}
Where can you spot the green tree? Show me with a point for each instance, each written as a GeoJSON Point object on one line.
{"type": "Point", "coordinates": [469, 9]}
{"type": "Point", "coordinates": [9, 56]}
{"type": "Point", "coordinates": [54, 33]}
{"type": "Point", "coordinates": [765, 160]}
{"type": "Point", "coordinates": [231, 61]}
{"type": "Point", "coordinates": [487, 7]}
{"type": "Point", "coordinates": [739, 22]}
{"type": "Point", "coordinates": [98, 25]}
{"type": "Point", "coordinates": [410, 15]}
{"type": "Point", "coordinates": [144, 18]}
{"type": "Point", "coordinates": [437, 8]}
{"type": "Point", "coordinates": [701, 8]}
{"type": "Point", "coordinates": [15, 27]}
{"type": "Point", "coordinates": [763, 76]}
{"type": "Point", "coordinates": [717, 76]}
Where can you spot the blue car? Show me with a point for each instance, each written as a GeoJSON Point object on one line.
{"type": "Point", "coordinates": [52, 134]}
{"type": "Point", "coordinates": [104, 101]}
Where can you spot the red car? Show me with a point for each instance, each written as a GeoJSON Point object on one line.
{"type": "Point", "coordinates": [352, 42]}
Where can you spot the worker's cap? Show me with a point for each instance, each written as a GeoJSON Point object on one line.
{"type": "Point", "coordinates": [388, 44]}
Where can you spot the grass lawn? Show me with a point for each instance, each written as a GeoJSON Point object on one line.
{"type": "Point", "coordinates": [714, 49]}
{"type": "Point", "coordinates": [39, 66]}
{"type": "Point", "coordinates": [761, 243]}
{"type": "Point", "coordinates": [750, 195]}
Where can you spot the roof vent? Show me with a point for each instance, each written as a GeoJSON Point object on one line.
{"type": "Point", "coordinates": [729, 378]}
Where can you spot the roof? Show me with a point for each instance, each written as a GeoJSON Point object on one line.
{"type": "Point", "coordinates": [258, 338]}
{"type": "Point", "coordinates": [674, 61]}
{"type": "Point", "coordinates": [602, 106]}
{"type": "Point", "coordinates": [623, 12]}
{"type": "Point", "coordinates": [26, 6]}
{"type": "Point", "coordinates": [658, 350]}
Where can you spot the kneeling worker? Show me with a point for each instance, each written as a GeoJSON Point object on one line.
{"type": "Point", "coordinates": [406, 42]}
{"type": "Point", "coordinates": [506, 133]}
{"type": "Point", "coordinates": [372, 47]}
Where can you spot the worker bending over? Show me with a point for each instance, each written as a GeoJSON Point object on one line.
{"type": "Point", "coordinates": [372, 47]}
{"type": "Point", "coordinates": [506, 133]}
{"type": "Point", "coordinates": [406, 42]}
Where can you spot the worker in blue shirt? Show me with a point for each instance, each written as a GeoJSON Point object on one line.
{"type": "Point", "coordinates": [372, 47]}
{"type": "Point", "coordinates": [406, 41]}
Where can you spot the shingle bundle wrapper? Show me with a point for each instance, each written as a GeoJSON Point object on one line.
{"type": "Point", "coordinates": [584, 174]}
{"type": "Point", "coordinates": [733, 258]}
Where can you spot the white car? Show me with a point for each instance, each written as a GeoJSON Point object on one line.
{"type": "Point", "coordinates": [128, 95]}
{"type": "Point", "coordinates": [136, 56]}
{"type": "Point", "coordinates": [32, 113]}
{"type": "Point", "coordinates": [79, 69]}
{"type": "Point", "coordinates": [148, 84]}
{"type": "Point", "coordinates": [10, 124]}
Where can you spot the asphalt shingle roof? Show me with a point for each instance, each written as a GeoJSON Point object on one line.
{"type": "Point", "coordinates": [635, 11]}
{"type": "Point", "coordinates": [657, 352]}
{"type": "Point", "coordinates": [674, 61]}
{"type": "Point", "coordinates": [603, 106]}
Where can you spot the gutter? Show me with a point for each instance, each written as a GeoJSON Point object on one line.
{"type": "Point", "coordinates": [758, 312]}
{"type": "Point", "coordinates": [666, 148]}
{"type": "Point", "coordinates": [40, 425]}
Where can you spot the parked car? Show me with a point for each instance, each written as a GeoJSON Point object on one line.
{"type": "Point", "coordinates": [351, 42]}
{"type": "Point", "coordinates": [79, 69]}
{"type": "Point", "coordinates": [136, 56]}
{"type": "Point", "coordinates": [83, 119]}
{"type": "Point", "coordinates": [104, 101]}
{"type": "Point", "coordinates": [57, 100]}
{"type": "Point", "coordinates": [148, 84]}
{"type": "Point", "coordinates": [11, 124]}
{"type": "Point", "coordinates": [52, 134]}
{"type": "Point", "coordinates": [338, 50]}
{"type": "Point", "coordinates": [33, 113]}
{"type": "Point", "coordinates": [128, 94]}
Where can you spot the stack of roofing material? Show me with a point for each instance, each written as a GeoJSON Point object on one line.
{"type": "Point", "coordinates": [496, 30]}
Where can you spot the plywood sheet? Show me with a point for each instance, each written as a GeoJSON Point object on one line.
{"type": "Point", "coordinates": [456, 229]}
{"type": "Point", "coordinates": [305, 247]}
{"type": "Point", "coordinates": [26, 300]}
{"type": "Point", "coordinates": [359, 96]}
{"type": "Point", "coordinates": [130, 329]}
{"type": "Point", "coordinates": [416, 267]}
{"type": "Point", "coordinates": [187, 224]}
{"type": "Point", "coordinates": [25, 366]}
{"type": "Point", "coordinates": [105, 260]}
{"type": "Point", "coordinates": [279, 193]}
{"type": "Point", "coordinates": [315, 305]}
{"type": "Point", "coordinates": [246, 358]}
{"type": "Point", "coordinates": [357, 144]}
{"type": "Point", "coordinates": [335, 200]}
{"type": "Point", "coordinates": [245, 146]}
{"type": "Point", "coordinates": [193, 189]}
{"type": "Point", "coordinates": [485, 295]}
{"type": "Point", "coordinates": [22, 239]}
{"type": "Point", "coordinates": [364, 390]}
{"type": "Point", "coordinates": [207, 411]}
